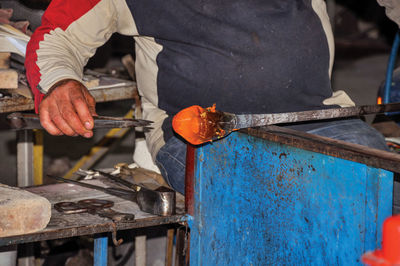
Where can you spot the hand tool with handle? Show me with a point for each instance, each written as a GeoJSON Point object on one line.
{"type": "Point", "coordinates": [99, 207]}
{"type": "Point", "coordinates": [94, 206]}
{"type": "Point", "coordinates": [21, 121]}
{"type": "Point", "coordinates": [211, 124]}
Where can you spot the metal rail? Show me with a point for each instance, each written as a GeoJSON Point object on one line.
{"type": "Point", "coordinates": [336, 148]}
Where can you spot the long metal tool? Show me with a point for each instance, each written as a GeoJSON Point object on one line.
{"type": "Point", "coordinates": [118, 192]}
{"type": "Point", "coordinates": [233, 121]}
{"type": "Point", "coordinates": [152, 201]}
{"type": "Point", "coordinates": [31, 121]}
{"type": "Point", "coordinates": [120, 180]}
{"type": "Point", "coordinates": [198, 125]}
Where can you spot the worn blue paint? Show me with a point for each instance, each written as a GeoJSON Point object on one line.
{"type": "Point", "coordinates": [259, 202]}
{"type": "Point", "coordinates": [100, 251]}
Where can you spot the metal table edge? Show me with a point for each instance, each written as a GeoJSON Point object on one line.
{"type": "Point", "coordinates": [48, 234]}
{"type": "Point", "coordinates": [335, 148]}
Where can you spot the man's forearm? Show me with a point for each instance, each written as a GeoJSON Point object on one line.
{"type": "Point", "coordinates": [69, 35]}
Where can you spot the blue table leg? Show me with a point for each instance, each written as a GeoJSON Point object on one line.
{"type": "Point", "coordinates": [100, 251]}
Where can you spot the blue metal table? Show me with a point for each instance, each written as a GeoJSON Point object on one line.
{"type": "Point", "coordinates": [278, 196]}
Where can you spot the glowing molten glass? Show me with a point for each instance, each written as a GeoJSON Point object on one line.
{"type": "Point", "coordinates": [198, 125]}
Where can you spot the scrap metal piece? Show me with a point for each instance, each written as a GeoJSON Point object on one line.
{"type": "Point", "coordinates": [162, 200]}
{"type": "Point", "coordinates": [31, 121]}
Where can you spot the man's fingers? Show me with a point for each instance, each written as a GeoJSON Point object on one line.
{"type": "Point", "coordinates": [83, 111]}
{"type": "Point", "coordinates": [68, 108]}
{"type": "Point", "coordinates": [69, 114]}
{"type": "Point", "coordinates": [47, 123]}
{"type": "Point", "coordinates": [91, 102]}
{"type": "Point", "coordinates": [59, 121]}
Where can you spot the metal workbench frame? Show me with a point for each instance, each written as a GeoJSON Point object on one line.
{"type": "Point", "coordinates": [63, 225]}
{"type": "Point", "coordinates": [106, 227]}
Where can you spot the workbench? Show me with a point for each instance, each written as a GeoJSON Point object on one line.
{"type": "Point", "coordinates": [63, 225]}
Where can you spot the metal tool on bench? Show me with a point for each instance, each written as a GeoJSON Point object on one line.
{"type": "Point", "coordinates": [212, 124]}
{"type": "Point", "coordinates": [96, 207]}
{"type": "Point", "coordinates": [31, 121]}
{"type": "Point", "coordinates": [161, 201]}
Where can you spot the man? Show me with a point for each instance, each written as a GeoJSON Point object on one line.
{"type": "Point", "coordinates": [246, 56]}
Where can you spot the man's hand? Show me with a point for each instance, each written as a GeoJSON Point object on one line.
{"type": "Point", "coordinates": [68, 108]}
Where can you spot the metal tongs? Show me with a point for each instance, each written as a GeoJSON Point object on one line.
{"type": "Point", "coordinates": [21, 121]}
{"type": "Point", "coordinates": [160, 201]}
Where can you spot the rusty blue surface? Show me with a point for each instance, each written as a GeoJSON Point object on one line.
{"type": "Point", "coordinates": [259, 202]}
{"type": "Point", "coordinates": [100, 250]}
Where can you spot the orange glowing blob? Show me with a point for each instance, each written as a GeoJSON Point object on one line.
{"type": "Point", "coordinates": [198, 125]}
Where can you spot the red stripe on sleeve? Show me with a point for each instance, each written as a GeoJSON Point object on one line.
{"type": "Point", "coordinates": [59, 14]}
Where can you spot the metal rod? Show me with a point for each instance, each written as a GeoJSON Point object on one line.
{"type": "Point", "coordinates": [254, 120]}
{"type": "Point", "coordinates": [38, 157]}
{"type": "Point", "coordinates": [140, 250]}
{"type": "Point", "coordinates": [21, 121]}
{"type": "Point", "coordinates": [180, 246]}
{"type": "Point", "coordinates": [170, 247]}
{"type": "Point", "coordinates": [25, 158]}
{"type": "Point", "coordinates": [120, 180]}
{"type": "Point", "coordinates": [119, 192]}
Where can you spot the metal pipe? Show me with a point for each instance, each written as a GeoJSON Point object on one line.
{"type": "Point", "coordinates": [140, 250]}
{"type": "Point", "coordinates": [100, 251]}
